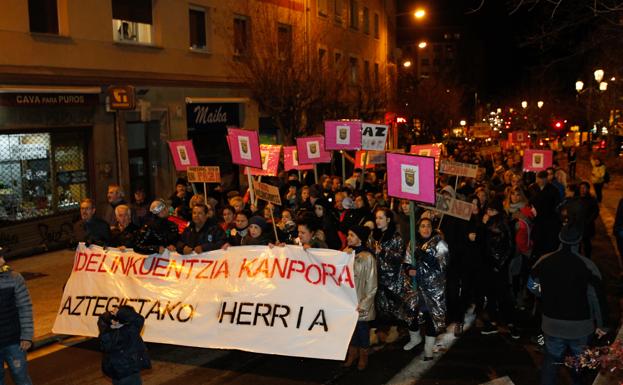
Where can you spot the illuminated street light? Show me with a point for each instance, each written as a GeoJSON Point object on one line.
{"type": "Point", "coordinates": [499, 110]}
{"type": "Point", "coordinates": [524, 104]}
{"type": "Point", "coordinates": [406, 63]}
{"type": "Point", "coordinates": [612, 79]}
{"type": "Point", "coordinates": [539, 104]}
{"type": "Point", "coordinates": [419, 13]}
{"type": "Point", "coordinates": [422, 44]}
{"type": "Point", "coordinates": [599, 75]}
{"type": "Point", "coordinates": [579, 85]}
{"type": "Point", "coordinates": [603, 86]}
{"type": "Point", "coordinates": [463, 123]}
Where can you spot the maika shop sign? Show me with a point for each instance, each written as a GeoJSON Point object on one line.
{"type": "Point", "coordinates": [212, 115]}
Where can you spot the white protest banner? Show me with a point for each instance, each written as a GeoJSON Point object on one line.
{"type": "Point", "coordinates": [458, 168]}
{"type": "Point", "coordinates": [267, 192]}
{"type": "Point", "coordinates": [204, 174]}
{"type": "Point", "coordinates": [281, 300]}
{"type": "Point", "coordinates": [453, 207]}
{"type": "Point", "coordinates": [373, 136]}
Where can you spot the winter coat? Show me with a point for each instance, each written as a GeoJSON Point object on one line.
{"type": "Point", "coordinates": [209, 237]}
{"type": "Point", "coordinates": [498, 242]}
{"type": "Point", "coordinates": [158, 232]}
{"type": "Point", "coordinates": [94, 231]}
{"type": "Point", "coordinates": [364, 268]}
{"type": "Point", "coordinates": [125, 237]}
{"type": "Point", "coordinates": [248, 240]}
{"type": "Point", "coordinates": [16, 322]}
{"type": "Point", "coordinates": [598, 173]}
{"type": "Point", "coordinates": [430, 261]}
{"type": "Point", "coordinates": [523, 228]}
{"type": "Point", "coordinates": [395, 299]}
{"type": "Point", "coordinates": [124, 350]}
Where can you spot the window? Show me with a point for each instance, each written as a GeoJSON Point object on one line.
{"type": "Point", "coordinates": [241, 35]}
{"type": "Point", "coordinates": [43, 16]}
{"type": "Point", "coordinates": [353, 14]}
{"type": "Point", "coordinates": [366, 71]}
{"type": "Point", "coordinates": [436, 62]}
{"type": "Point", "coordinates": [322, 58]}
{"type": "Point", "coordinates": [377, 33]}
{"type": "Point", "coordinates": [366, 20]}
{"type": "Point", "coordinates": [353, 70]}
{"type": "Point", "coordinates": [41, 174]}
{"type": "Point", "coordinates": [284, 41]}
{"type": "Point", "coordinates": [437, 48]}
{"type": "Point", "coordinates": [338, 9]}
{"type": "Point", "coordinates": [376, 74]}
{"type": "Point", "coordinates": [338, 59]}
{"type": "Point", "coordinates": [197, 20]}
{"type": "Point", "coordinates": [132, 21]}
{"type": "Point", "coordinates": [323, 7]}
{"type": "Point", "coordinates": [425, 62]}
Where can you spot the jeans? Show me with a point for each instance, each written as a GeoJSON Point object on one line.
{"type": "Point", "coordinates": [555, 349]}
{"type": "Point", "coordinates": [134, 379]}
{"type": "Point", "coordinates": [16, 360]}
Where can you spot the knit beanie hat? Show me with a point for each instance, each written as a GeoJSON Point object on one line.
{"type": "Point", "coordinates": [258, 221]}
{"type": "Point", "coordinates": [570, 234]}
{"type": "Point", "coordinates": [362, 232]}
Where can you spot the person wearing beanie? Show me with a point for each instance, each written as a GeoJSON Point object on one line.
{"type": "Point", "coordinates": [364, 269]}
{"type": "Point", "coordinates": [16, 323]}
{"type": "Point", "coordinates": [573, 302]}
{"type": "Point", "coordinates": [181, 198]}
{"type": "Point", "coordinates": [241, 228]}
{"type": "Point", "coordinates": [256, 234]}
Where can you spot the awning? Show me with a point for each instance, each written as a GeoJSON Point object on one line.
{"type": "Point", "coordinates": [13, 89]}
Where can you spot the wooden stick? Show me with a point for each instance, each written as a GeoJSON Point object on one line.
{"type": "Point", "coordinates": [364, 161]}
{"type": "Point", "coordinates": [274, 225]}
{"type": "Point", "coordinates": [412, 235]}
{"type": "Point", "coordinates": [205, 193]}
{"type": "Point", "coordinates": [250, 181]}
{"type": "Point", "coordinates": [315, 173]}
{"type": "Point", "coordinates": [343, 166]}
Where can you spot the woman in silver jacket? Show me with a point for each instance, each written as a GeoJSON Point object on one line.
{"type": "Point", "coordinates": [428, 267]}
{"type": "Point", "coordinates": [364, 268]}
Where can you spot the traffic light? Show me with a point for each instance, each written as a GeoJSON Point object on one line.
{"type": "Point", "coordinates": [559, 125]}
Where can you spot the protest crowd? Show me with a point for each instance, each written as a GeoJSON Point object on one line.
{"type": "Point", "coordinates": [524, 248]}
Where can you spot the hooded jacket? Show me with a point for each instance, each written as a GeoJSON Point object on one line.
{"type": "Point", "coordinates": [16, 322]}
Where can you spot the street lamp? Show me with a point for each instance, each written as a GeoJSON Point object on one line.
{"type": "Point", "coordinates": [419, 13]}
{"type": "Point", "coordinates": [422, 44]}
{"type": "Point", "coordinates": [524, 104]}
{"type": "Point", "coordinates": [539, 104]}
{"type": "Point", "coordinates": [579, 85]}
{"type": "Point", "coordinates": [463, 123]}
{"type": "Point", "coordinates": [599, 75]}
{"type": "Point", "coordinates": [603, 86]}
{"type": "Point", "coordinates": [407, 63]}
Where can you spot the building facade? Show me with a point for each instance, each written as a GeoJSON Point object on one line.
{"type": "Point", "coordinates": [59, 139]}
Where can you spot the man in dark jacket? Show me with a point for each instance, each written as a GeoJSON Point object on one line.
{"type": "Point", "coordinates": [123, 234]}
{"type": "Point", "coordinates": [573, 302]}
{"type": "Point", "coordinates": [203, 234]}
{"type": "Point", "coordinates": [115, 198]}
{"type": "Point", "coordinates": [90, 229]}
{"type": "Point", "coordinates": [125, 354]}
{"type": "Point", "coordinates": [545, 198]}
{"type": "Point", "coordinates": [159, 233]}
{"type": "Point", "coordinates": [16, 324]}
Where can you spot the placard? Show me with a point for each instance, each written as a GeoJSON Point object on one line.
{"type": "Point", "coordinates": [373, 136]}
{"type": "Point", "coordinates": [270, 155]}
{"type": "Point", "coordinates": [291, 161]}
{"type": "Point", "coordinates": [183, 154]}
{"type": "Point", "coordinates": [458, 168]}
{"type": "Point", "coordinates": [519, 137]}
{"type": "Point", "coordinates": [311, 150]}
{"type": "Point", "coordinates": [537, 160]}
{"type": "Point", "coordinates": [453, 207]}
{"type": "Point", "coordinates": [267, 192]}
{"type": "Point", "coordinates": [279, 300]}
{"type": "Point", "coordinates": [490, 150]}
{"type": "Point", "coordinates": [204, 174]}
{"type": "Point", "coordinates": [340, 135]}
{"type": "Point", "coordinates": [411, 177]}
{"type": "Point", "coordinates": [244, 146]}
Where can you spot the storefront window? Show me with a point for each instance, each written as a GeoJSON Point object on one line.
{"type": "Point", "coordinates": [41, 174]}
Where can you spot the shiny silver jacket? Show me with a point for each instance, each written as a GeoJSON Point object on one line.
{"type": "Point", "coordinates": [430, 261]}
{"type": "Point", "coordinates": [365, 284]}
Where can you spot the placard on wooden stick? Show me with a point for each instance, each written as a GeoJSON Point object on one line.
{"type": "Point", "coordinates": [204, 174]}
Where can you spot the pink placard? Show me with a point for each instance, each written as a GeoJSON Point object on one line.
{"type": "Point", "coordinates": [270, 155]}
{"type": "Point", "coordinates": [291, 162]}
{"type": "Point", "coordinates": [537, 160]}
{"type": "Point", "coordinates": [244, 146]}
{"type": "Point", "coordinates": [411, 177]}
{"type": "Point", "coordinates": [342, 135]}
{"type": "Point", "coordinates": [183, 154]}
{"type": "Point", "coordinates": [311, 150]}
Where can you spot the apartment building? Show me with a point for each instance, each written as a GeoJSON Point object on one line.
{"type": "Point", "coordinates": [60, 140]}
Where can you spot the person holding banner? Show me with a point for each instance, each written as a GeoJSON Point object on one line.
{"type": "Point", "coordinates": [242, 228]}
{"type": "Point", "coordinates": [203, 234]}
{"type": "Point", "coordinates": [123, 234]}
{"type": "Point", "coordinates": [396, 303]}
{"type": "Point", "coordinates": [364, 269]}
{"type": "Point", "coordinates": [256, 234]}
{"type": "Point", "coordinates": [309, 232]}
{"type": "Point", "coordinates": [158, 233]}
{"type": "Point", "coordinates": [428, 266]}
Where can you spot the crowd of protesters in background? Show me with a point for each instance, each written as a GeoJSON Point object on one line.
{"type": "Point", "coordinates": [452, 272]}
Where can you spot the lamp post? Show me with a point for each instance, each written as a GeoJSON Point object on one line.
{"type": "Point", "coordinates": [580, 88]}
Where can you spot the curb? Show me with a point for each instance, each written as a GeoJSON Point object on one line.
{"type": "Point", "coordinates": [48, 339]}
